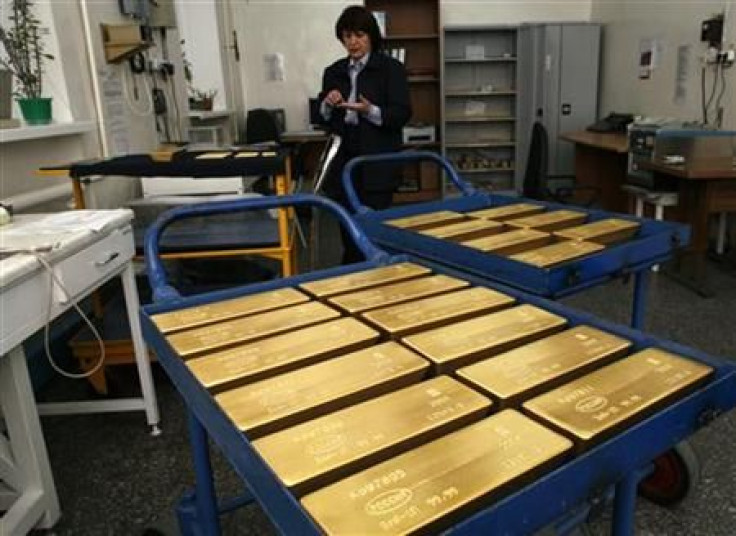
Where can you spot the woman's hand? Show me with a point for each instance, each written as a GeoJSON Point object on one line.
{"type": "Point", "coordinates": [334, 98]}
{"type": "Point", "coordinates": [363, 106]}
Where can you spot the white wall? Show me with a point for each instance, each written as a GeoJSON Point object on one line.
{"type": "Point", "coordinates": [673, 24]}
{"type": "Point", "coordinates": [20, 160]}
{"type": "Point", "coordinates": [480, 12]}
{"type": "Point", "coordinates": [197, 24]}
{"type": "Point", "coordinates": [303, 30]}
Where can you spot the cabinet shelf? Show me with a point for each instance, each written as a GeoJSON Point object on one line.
{"type": "Point", "coordinates": [480, 119]}
{"type": "Point", "coordinates": [478, 93]}
{"type": "Point", "coordinates": [421, 145]}
{"type": "Point", "coordinates": [479, 144]}
{"type": "Point", "coordinates": [496, 59]}
{"type": "Point", "coordinates": [411, 37]}
{"type": "Point", "coordinates": [422, 79]}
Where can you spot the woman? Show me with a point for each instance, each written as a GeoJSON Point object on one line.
{"type": "Point", "coordinates": [365, 100]}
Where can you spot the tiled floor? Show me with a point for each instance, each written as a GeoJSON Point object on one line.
{"type": "Point", "coordinates": [113, 478]}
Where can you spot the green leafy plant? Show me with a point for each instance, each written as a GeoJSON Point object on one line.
{"type": "Point", "coordinates": [24, 47]}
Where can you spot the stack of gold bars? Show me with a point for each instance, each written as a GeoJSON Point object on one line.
{"type": "Point", "coordinates": [397, 400]}
{"type": "Point", "coordinates": [523, 231]}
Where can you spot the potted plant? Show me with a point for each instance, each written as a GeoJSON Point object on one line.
{"type": "Point", "coordinates": [201, 100]}
{"type": "Point", "coordinates": [198, 100]}
{"type": "Point", "coordinates": [24, 48]}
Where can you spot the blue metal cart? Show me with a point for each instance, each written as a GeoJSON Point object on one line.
{"type": "Point", "coordinates": [557, 497]}
{"type": "Point", "coordinates": [654, 243]}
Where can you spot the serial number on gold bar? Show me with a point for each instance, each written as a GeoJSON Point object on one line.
{"type": "Point", "coordinates": [364, 279]}
{"type": "Point", "coordinates": [426, 220]}
{"type": "Point", "coordinates": [510, 242]}
{"type": "Point", "coordinates": [465, 230]}
{"type": "Point", "coordinates": [198, 340]}
{"type": "Point", "coordinates": [618, 395]}
{"type": "Point", "coordinates": [556, 254]}
{"type": "Point", "coordinates": [428, 488]}
{"type": "Point", "coordinates": [427, 313]}
{"type": "Point", "coordinates": [364, 300]}
{"type": "Point", "coordinates": [462, 343]}
{"type": "Point", "coordinates": [330, 447]}
{"type": "Point", "coordinates": [273, 404]}
{"type": "Point", "coordinates": [524, 371]}
{"type": "Point", "coordinates": [607, 231]}
{"type": "Point", "coordinates": [550, 221]}
{"type": "Point", "coordinates": [302, 346]}
{"type": "Point", "coordinates": [227, 309]}
{"type": "Point", "coordinates": [507, 212]}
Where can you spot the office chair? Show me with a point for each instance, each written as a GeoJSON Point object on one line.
{"type": "Point", "coordinates": [536, 176]}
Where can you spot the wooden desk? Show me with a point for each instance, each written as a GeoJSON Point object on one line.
{"type": "Point", "coordinates": [701, 193]}
{"type": "Point", "coordinates": [308, 146]}
{"type": "Point", "coordinates": [601, 161]}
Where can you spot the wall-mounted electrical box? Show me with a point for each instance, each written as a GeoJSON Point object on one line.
{"type": "Point", "coordinates": [163, 14]}
{"type": "Point", "coordinates": [121, 41]}
{"type": "Point", "coordinates": [711, 31]}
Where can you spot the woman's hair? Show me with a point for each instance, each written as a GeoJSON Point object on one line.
{"type": "Point", "coordinates": [359, 19]}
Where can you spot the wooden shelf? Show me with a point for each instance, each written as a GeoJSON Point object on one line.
{"type": "Point", "coordinates": [411, 37]}
{"type": "Point", "coordinates": [422, 79]}
{"type": "Point", "coordinates": [471, 93]}
{"type": "Point", "coordinates": [421, 145]}
{"type": "Point", "coordinates": [479, 144]}
{"type": "Point", "coordinates": [480, 119]}
{"type": "Point", "coordinates": [499, 59]}
{"type": "Point", "coordinates": [486, 170]}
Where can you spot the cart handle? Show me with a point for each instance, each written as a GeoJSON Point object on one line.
{"type": "Point", "coordinates": [157, 276]}
{"type": "Point", "coordinates": [404, 156]}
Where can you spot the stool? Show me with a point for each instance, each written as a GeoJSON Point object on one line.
{"type": "Point", "coordinates": [660, 200]}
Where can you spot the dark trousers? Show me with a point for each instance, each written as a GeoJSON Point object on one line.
{"type": "Point", "coordinates": [375, 199]}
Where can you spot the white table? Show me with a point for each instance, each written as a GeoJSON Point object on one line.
{"type": "Point", "coordinates": [88, 249]}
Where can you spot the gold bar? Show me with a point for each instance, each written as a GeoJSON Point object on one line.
{"type": "Point", "coordinates": [539, 366]}
{"type": "Point", "coordinates": [549, 256]}
{"type": "Point", "coordinates": [506, 212]}
{"type": "Point", "coordinates": [510, 242]}
{"type": "Point", "coordinates": [550, 221]}
{"type": "Point", "coordinates": [227, 309]}
{"type": "Point", "coordinates": [614, 397]}
{"type": "Point", "coordinates": [465, 230]}
{"type": "Point", "coordinates": [285, 400]}
{"type": "Point", "coordinates": [427, 220]}
{"type": "Point", "coordinates": [605, 232]}
{"type": "Point", "coordinates": [427, 489]}
{"type": "Point", "coordinates": [364, 279]}
{"type": "Point", "coordinates": [272, 356]}
{"type": "Point", "coordinates": [363, 300]}
{"type": "Point", "coordinates": [328, 448]}
{"type": "Point", "coordinates": [407, 318]}
{"type": "Point", "coordinates": [198, 340]}
{"type": "Point", "coordinates": [463, 343]}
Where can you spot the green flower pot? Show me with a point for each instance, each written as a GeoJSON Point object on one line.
{"type": "Point", "coordinates": [36, 111]}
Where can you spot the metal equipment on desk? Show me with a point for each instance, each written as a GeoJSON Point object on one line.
{"type": "Point", "coordinates": [532, 249]}
{"type": "Point", "coordinates": [333, 431]}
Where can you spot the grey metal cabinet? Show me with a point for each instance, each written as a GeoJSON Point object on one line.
{"type": "Point", "coordinates": [558, 68]}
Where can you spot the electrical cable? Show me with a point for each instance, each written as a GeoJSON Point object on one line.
{"type": "Point", "coordinates": [54, 280]}
{"type": "Point", "coordinates": [702, 95]}
{"type": "Point", "coordinates": [129, 100]}
{"type": "Point", "coordinates": [712, 91]}
{"type": "Point", "coordinates": [719, 116]}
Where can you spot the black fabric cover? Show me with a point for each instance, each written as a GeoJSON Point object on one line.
{"type": "Point", "coordinates": [182, 164]}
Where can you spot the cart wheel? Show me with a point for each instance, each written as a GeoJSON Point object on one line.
{"type": "Point", "coordinates": [675, 473]}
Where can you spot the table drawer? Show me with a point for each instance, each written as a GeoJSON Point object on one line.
{"type": "Point", "coordinates": [86, 269]}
